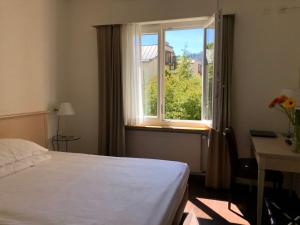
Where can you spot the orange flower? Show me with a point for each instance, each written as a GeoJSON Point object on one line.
{"type": "Point", "coordinates": [289, 103]}
{"type": "Point", "coordinates": [278, 100]}
{"type": "Point", "coordinates": [282, 98]}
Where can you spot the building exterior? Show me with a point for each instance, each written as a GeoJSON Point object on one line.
{"type": "Point", "coordinates": [196, 67]}
{"type": "Point", "coordinates": [150, 60]}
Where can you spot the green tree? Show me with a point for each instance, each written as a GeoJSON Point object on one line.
{"type": "Point", "coordinates": [210, 45]}
{"type": "Point", "coordinates": [150, 96]}
{"type": "Point", "coordinates": [183, 92]}
{"type": "Point", "coordinates": [184, 69]}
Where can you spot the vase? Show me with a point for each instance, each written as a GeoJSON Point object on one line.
{"type": "Point", "coordinates": [296, 139]}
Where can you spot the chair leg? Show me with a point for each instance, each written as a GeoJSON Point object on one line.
{"type": "Point", "coordinates": [229, 199]}
{"type": "Point", "coordinates": [229, 204]}
{"type": "Point", "coordinates": [277, 185]}
{"type": "Point", "coordinates": [230, 196]}
{"type": "Point", "coordinates": [250, 188]}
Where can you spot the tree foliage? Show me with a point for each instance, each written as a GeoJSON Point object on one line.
{"type": "Point", "coordinates": [150, 96]}
{"type": "Point", "coordinates": [210, 45]}
{"type": "Point", "coordinates": [183, 92]}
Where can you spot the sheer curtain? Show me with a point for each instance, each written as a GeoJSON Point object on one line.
{"type": "Point", "coordinates": [132, 74]}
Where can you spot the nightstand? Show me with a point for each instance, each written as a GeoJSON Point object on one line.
{"type": "Point", "coordinates": [62, 138]}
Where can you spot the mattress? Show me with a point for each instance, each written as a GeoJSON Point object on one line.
{"type": "Point", "coordinates": [81, 189]}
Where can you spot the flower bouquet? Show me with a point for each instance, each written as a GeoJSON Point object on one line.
{"type": "Point", "coordinates": [287, 106]}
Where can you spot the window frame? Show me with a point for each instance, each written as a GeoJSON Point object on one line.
{"type": "Point", "coordinates": [160, 29]}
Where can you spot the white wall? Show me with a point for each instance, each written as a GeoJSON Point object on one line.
{"type": "Point", "coordinates": [27, 55]}
{"type": "Point", "coordinates": [81, 79]}
{"type": "Point", "coordinates": [266, 57]}
{"type": "Point", "coordinates": [184, 147]}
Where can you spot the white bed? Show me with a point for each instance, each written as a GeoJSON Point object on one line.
{"type": "Point", "coordinates": [80, 189]}
{"type": "Point", "coordinates": [83, 189]}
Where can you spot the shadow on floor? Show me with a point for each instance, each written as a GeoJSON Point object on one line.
{"type": "Point", "coordinates": [210, 207]}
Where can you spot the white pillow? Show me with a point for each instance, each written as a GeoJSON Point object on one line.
{"type": "Point", "coordinates": [19, 154]}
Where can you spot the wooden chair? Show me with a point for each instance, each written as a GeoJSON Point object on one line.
{"type": "Point", "coordinates": [246, 168]}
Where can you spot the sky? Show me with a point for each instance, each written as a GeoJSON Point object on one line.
{"type": "Point", "coordinates": [189, 39]}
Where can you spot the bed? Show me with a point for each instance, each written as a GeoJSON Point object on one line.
{"type": "Point", "coordinates": [72, 188]}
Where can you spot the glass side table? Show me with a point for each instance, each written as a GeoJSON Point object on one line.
{"type": "Point", "coordinates": [62, 138]}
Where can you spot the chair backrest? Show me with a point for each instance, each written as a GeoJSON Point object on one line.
{"type": "Point", "coordinates": [231, 145]}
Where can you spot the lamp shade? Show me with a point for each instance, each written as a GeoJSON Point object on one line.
{"type": "Point", "coordinates": [65, 109]}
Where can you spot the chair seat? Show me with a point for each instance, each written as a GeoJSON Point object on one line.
{"type": "Point", "coordinates": [248, 168]}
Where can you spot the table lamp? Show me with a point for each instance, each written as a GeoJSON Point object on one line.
{"type": "Point", "coordinates": [65, 109]}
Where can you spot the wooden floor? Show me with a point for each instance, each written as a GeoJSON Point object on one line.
{"type": "Point", "coordinates": [207, 206]}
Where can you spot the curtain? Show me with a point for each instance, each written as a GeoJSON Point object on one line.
{"type": "Point", "coordinates": [111, 120]}
{"type": "Point", "coordinates": [218, 168]}
{"type": "Point", "coordinates": [132, 75]}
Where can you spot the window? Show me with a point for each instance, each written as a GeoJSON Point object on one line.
{"type": "Point", "coordinates": [177, 68]}
{"type": "Point", "coordinates": [150, 71]}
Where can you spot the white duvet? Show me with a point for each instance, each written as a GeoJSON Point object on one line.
{"type": "Point", "coordinates": [79, 189]}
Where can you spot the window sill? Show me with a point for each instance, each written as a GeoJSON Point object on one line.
{"type": "Point", "coordinates": [172, 129]}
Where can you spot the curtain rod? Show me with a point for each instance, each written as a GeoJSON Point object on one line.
{"type": "Point", "coordinates": [96, 26]}
{"type": "Point", "coordinates": [284, 9]}
{"type": "Point", "coordinates": [167, 20]}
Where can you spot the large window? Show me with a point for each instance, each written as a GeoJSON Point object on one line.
{"type": "Point", "coordinates": [177, 67]}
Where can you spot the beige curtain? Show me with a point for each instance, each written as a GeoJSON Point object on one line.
{"type": "Point", "coordinates": [111, 121]}
{"type": "Point", "coordinates": [218, 168]}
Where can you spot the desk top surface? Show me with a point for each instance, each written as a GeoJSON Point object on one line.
{"type": "Point", "coordinates": [274, 147]}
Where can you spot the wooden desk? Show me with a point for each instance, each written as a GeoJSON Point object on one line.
{"type": "Point", "coordinates": [273, 154]}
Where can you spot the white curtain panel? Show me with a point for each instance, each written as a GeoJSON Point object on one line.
{"type": "Point", "coordinates": [132, 74]}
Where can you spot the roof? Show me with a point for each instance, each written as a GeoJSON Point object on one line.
{"type": "Point", "coordinates": [149, 52]}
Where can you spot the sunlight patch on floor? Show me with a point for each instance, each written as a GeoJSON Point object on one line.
{"type": "Point", "coordinates": [193, 209]}
{"type": "Point", "coordinates": [191, 219]}
{"type": "Point", "coordinates": [234, 215]}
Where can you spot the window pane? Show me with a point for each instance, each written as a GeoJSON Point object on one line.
{"type": "Point", "coordinates": [150, 73]}
{"type": "Point", "coordinates": [183, 78]}
{"type": "Point", "coordinates": [209, 70]}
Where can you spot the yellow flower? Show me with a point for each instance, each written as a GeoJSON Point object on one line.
{"type": "Point", "coordinates": [289, 103]}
